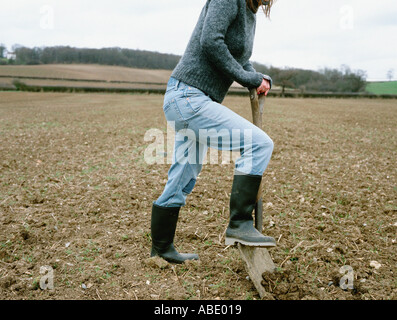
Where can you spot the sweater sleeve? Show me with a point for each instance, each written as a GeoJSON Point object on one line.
{"type": "Point", "coordinates": [220, 15]}
{"type": "Point", "coordinates": [249, 67]}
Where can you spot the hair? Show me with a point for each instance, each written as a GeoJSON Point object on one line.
{"type": "Point", "coordinates": [255, 4]}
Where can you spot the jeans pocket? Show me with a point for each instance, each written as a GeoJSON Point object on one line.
{"type": "Point", "coordinates": [194, 99]}
{"type": "Point", "coordinates": [166, 107]}
{"type": "Point", "coordinates": [174, 115]}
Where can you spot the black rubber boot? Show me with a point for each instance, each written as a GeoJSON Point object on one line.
{"type": "Point", "coordinates": [163, 226]}
{"type": "Point", "coordinates": [242, 202]}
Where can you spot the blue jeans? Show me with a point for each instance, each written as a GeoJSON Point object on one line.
{"type": "Point", "coordinates": [199, 123]}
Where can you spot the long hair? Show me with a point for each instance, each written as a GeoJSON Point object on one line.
{"type": "Point", "coordinates": [255, 4]}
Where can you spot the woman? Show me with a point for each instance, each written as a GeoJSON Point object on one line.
{"type": "Point", "coordinates": [218, 53]}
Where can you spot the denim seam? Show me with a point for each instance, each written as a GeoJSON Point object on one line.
{"type": "Point", "coordinates": [179, 185]}
{"type": "Point", "coordinates": [185, 123]}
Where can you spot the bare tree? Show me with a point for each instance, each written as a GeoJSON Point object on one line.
{"type": "Point", "coordinates": [2, 50]}
{"type": "Point", "coordinates": [284, 78]}
{"type": "Point", "coordinates": [390, 74]}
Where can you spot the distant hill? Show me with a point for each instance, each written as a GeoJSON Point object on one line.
{"type": "Point", "coordinates": [90, 72]}
{"type": "Point", "coordinates": [85, 75]}
{"type": "Point", "coordinates": [387, 87]}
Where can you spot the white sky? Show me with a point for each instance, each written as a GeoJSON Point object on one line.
{"type": "Point", "coordinates": [309, 34]}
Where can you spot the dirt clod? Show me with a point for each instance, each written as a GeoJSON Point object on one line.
{"type": "Point", "coordinates": [156, 262]}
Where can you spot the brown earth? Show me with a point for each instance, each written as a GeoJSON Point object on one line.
{"type": "Point", "coordinates": [87, 75]}
{"type": "Point", "coordinates": [87, 72]}
{"type": "Point", "coordinates": [76, 194]}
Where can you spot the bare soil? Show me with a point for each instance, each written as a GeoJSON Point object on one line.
{"type": "Point", "coordinates": [87, 72]}
{"type": "Point", "coordinates": [87, 75]}
{"type": "Point", "coordinates": [76, 194]}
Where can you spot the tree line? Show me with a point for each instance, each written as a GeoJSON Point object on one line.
{"type": "Point", "coordinates": [325, 80]}
{"type": "Point", "coordinates": [105, 56]}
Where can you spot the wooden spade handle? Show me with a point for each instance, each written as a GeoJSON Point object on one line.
{"type": "Point", "coordinates": [257, 107]}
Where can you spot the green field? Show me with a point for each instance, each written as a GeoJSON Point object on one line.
{"type": "Point", "coordinates": [389, 87]}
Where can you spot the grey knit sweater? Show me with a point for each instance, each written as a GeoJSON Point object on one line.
{"type": "Point", "coordinates": [219, 50]}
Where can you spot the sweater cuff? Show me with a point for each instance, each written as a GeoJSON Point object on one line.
{"type": "Point", "coordinates": [265, 76]}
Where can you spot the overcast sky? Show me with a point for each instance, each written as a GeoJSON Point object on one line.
{"type": "Point", "coordinates": [309, 34]}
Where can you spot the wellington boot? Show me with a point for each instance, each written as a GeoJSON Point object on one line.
{"type": "Point", "coordinates": [163, 226]}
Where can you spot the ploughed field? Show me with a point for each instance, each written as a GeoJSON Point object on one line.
{"type": "Point", "coordinates": [85, 76]}
{"type": "Point", "coordinates": [86, 72]}
{"type": "Point", "coordinates": [76, 195]}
